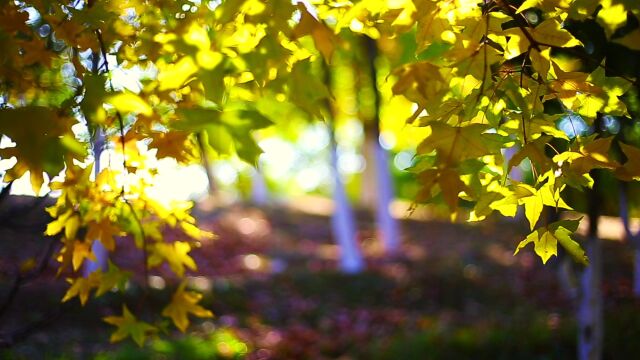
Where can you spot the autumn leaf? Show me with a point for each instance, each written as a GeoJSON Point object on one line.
{"type": "Point", "coordinates": [80, 287]}
{"type": "Point", "coordinates": [630, 170]}
{"type": "Point", "coordinates": [546, 241]}
{"type": "Point", "coordinates": [41, 139]}
{"type": "Point", "coordinates": [81, 251]}
{"type": "Point", "coordinates": [323, 37]}
{"type": "Point", "coordinates": [595, 154]}
{"type": "Point", "coordinates": [113, 278]}
{"type": "Point", "coordinates": [182, 304]}
{"type": "Point", "coordinates": [128, 326]}
{"type": "Point", "coordinates": [176, 254]}
{"type": "Point", "coordinates": [127, 102]}
{"type": "Point", "coordinates": [457, 143]}
{"type": "Point", "coordinates": [104, 231]}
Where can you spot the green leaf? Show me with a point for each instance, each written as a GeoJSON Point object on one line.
{"type": "Point", "coordinates": [41, 139]}
{"type": "Point", "coordinates": [196, 119]}
{"type": "Point", "coordinates": [128, 326]}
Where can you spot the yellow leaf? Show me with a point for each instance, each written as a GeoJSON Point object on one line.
{"type": "Point", "coordinates": [81, 251]}
{"type": "Point", "coordinates": [541, 61]}
{"type": "Point", "coordinates": [451, 186]}
{"type": "Point", "coordinates": [550, 32]}
{"type": "Point", "coordinates": [71, 227]}
{"type": "Point", "coordinates": [457, 143]}
{"type": "Point", "coordinates": [462, 87]}
{"type": "Point", "coordinates": [528, 4]}
{"type": "Point", "coordinates": [517, 44]}
{"type": "Point", "coordinates": [173, 76]}
{"type": "Point", "coordinates": [176, 254]}
{"type": "Point", "coordinates": [80, 287]}
{"type": "Point", "coordinates": [544, 242]}
{"type": "Point", "coordinates": [611, 17]}
{"type": "Point", "coordinates": [58, 224]}
{"type": "Point", "coordinates": [198, 37]}
{"type": "Point", "coordinates": [104, 231]}
{"type": "Point", "coordinates": [630, 170]}
{"type": "Point", "coordinates": [129, 102]}
{"type": "Point", "coordinates": [533, 208]}
{"type": "Point", "coordinates": [182, 304]}
{"type": "Point", "coordinates": [208, 59]}
{"type": "Point", "coordinates": [546, 246]}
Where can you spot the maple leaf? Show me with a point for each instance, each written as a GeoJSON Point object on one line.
{"type": "Point", "coordinates": [182, 304]}
{"type": "Point", "coordinates": [80, 287]}
{"type": "Point", "coordinates": [128, 326]}
{"type": "Point", "coordinates": [323, 37]}
{"type": "Point", "coordinates": [612, 16]}
{"type": "Point", "coordinates": [176, 254]}
{"type": "Point", "coordinates": [42, 139]}
{"type": "Point", "coordinates": [534, 199]}
{"type": "Point", "coordinates": [173, 144]}
{"type": "Point", "coordinates": [114, 277]}
{"type": "Point", "coordinates": [594, 154]}
{"type": "Point", "coordinates": [173, 76]}
{"type": "Point", "coordinates": [546, 241]}
{"type": "Point", "coordinates": [630, 170]}
{"type": "Point", "coordinates": [535, 152]}
{"type": "Point", "coordinates": [104, 231]}
{"type": "Point", "coordinates": [457, 143]}
{"type": "Point", "coordinates": [81, 251]}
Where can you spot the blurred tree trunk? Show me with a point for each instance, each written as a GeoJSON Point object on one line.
{"type": "Point", "coordinates": [387, 225]}
{"type": "Point", "coordinates": [343, 222]}
{"type": "Point", "coordinates": [632, 238]}
{"type": "Point", "coordinates": [259, 191]}
{"type": "Point", "coordinates": [590, 316]}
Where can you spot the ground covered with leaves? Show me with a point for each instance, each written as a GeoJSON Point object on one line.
{"type": "Point", "coordinates": [454, 291]}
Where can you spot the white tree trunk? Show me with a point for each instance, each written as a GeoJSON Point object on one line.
{"type": "Point", "coordinates": [388, 229]}
{"type": "Point", "coordinates": [98, 249]}
{"type": "Point", "coordinates": [636, 272]}
{"type": "Point", "coordinates": [343, 221]}
{"type": "Point", "coordinates": [590, 317]}
{"type": "Point", "coordinates": [259, 191]}
{"type": "Point", "coordinates": [632, 238]}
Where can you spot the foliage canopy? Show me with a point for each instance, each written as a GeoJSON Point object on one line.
{"type": "Point", "coordinates": [484, 77]}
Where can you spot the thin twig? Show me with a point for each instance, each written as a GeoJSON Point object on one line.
{"type": "Point", "coordinates": [21, 279]}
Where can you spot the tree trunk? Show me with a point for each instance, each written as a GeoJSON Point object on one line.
{"type": "Point", "coordinates": [632, 238]}
{"type": "Point", "coordinates": [98, 249]}
{"type": "Point", "coordinates": [590, 316]}
{"type": "Point", "coordinates": [388, 229]}
{"type": "Point", "coordinates": [259, 191]}
{"type": "Point", "coordinates": [343, 221]}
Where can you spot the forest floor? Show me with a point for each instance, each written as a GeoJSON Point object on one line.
{"type": "Point", "coordinates": [455, 291]}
